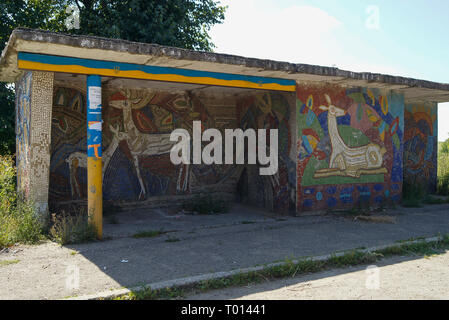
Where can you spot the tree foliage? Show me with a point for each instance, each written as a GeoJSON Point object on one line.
{"type": "Point", "coordinates": [44, 14]}
{"type": "Point", "coordinates": [445, 147]}
{"type": "Point", "coordinates": [179, 23]}
{"type": "Point", "coordinates": [7, 120]}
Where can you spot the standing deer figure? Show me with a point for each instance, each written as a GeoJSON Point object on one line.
{"type": "Point", "coordinates": [79, 159]}
{"type": "Point", "coordinates": [140, 144]}
{"type": "Point", "coordinates": [347, 161]}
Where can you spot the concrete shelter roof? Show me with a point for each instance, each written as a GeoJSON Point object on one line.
{"type": "Point", "coordinates": [91, 47]}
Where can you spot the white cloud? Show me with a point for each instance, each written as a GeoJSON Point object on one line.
{"type": "Point", "coordinates": [301, 34]}
{"type": "Point", "coordinates": [443, 124]}
{"type": "Point", "coordinates": [298, 34]}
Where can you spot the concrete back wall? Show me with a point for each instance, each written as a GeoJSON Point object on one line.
{"type": "Point", "coordinates": [350, 144]}
{"type": "Point", "coordinates": [338, 147]}
{"type": "Point", "coordinates": [130, 162]}
{"type": "Point", "coordinates": [421, 145]}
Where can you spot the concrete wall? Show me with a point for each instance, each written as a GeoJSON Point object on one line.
{"type": "Point", "coordinates": [272, 110]}
{"type": "Point", "coordinates": [350, 144]}
{"type": "Point", "coordinates": [23, 140]}
{"type": "Point", "coordinates": [421, 145]}
{"type": "Point", "coordinates": [338, 147]}
{"type": "Point", "coordinates": [34, 92]}
{"type": "Point", "coordinates": [137, 166]}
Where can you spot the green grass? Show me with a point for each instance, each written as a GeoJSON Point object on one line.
{"type": "Point", "coordinates": [419, 248]}
{"type": "Point", "coordinates": [172, 240]}
{"type": "Point", "coordinates": [19, 222]}
{"type": "Point", "coordinates": [149, 234]}
{"type": "Point", "coordinates": [443, 169]}
{"type": "Point", "coordinates": [8, 262]}
{"type": "Point", "coordinates": [291, 269]}
{"type": "Point", "coordinates": [414, 196]}
{"type": "Point", "coordinates": [429, 199]}
{"type": "Point", "coordinates": [71, 228]}
{"type": "Point", "coordinates": [410, 239]}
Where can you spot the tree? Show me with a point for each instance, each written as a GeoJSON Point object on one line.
{"type": "Point", "coordinates": [7, 120]}
{"type": "Point", "coordinates": [445, 147]}
{"type": "Point", "coordinates": [179, 23]}
{"type": "Point", "coordinates": [45, 14]}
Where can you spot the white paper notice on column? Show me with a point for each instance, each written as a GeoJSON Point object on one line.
{"type": "Point", "coordinates": [94, 98]}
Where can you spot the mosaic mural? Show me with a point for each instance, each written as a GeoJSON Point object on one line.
{"type": "Point", "coordinates": [23, 143]}
{"type": "Point", "coordinates": [421, 145]}
{"type": "Point", "coordinates": [338, 147]}
{"type": "Point", "coordinates": [350, 144]}
{"type": "Point", "coordinates": [273, 111]}
{"type": "Point", "coordinates": [136, 145]}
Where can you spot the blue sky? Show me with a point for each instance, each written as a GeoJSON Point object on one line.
{"type": "Point", "coordinates": [400, 37]}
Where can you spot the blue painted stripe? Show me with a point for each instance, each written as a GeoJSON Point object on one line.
{"type": "Point", "coordinates": [100, 64]}
{"type": "Point", "coordinates": [94, 137]}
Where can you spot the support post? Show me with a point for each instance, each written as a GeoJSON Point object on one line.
{"type": "Point", "coordinates": [94, 164]}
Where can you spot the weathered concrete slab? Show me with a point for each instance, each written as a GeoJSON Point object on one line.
{"type": "Point", "coordinates": [90, 47]}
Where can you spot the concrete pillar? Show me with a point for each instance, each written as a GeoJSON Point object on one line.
{"type": "Point", "coordinates": [34, 101]}
{"type": "Point", "coordinates": [94, 164]}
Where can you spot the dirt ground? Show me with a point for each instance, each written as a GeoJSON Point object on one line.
{"type": "Point", "coordinates": [242, 238]}
{"type": "Point", "coordinates": [398, 279]}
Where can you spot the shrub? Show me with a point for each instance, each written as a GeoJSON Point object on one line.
{"type": "Point", "coordinates": [18, 219]}
{"type": "Point", "coordinates": [70, 228]}
{"type": "Point", "coordinates": [19, 222]}
{"type": "Point", "coordinates": [8, 179]}
{"type": "Point", "coordinates": [20, 225]}
{"type": "Point", "coordinates": [444, 147]}
{"type": "Point", "coordinates": [443, 173]}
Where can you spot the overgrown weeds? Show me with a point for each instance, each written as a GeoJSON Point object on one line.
{"type": "Point", "coordinates": [8, 262]}
{"type": "Point", "coordinates": [71, 228]}
{"type": "Point", "coordinates": [429, 199]}
{"type": "Point", "coordinates": [443, 169]}
{"type": "Point", "coordinates": [19, 222]}
{"type": "Point", "coordinates": [414, 196]}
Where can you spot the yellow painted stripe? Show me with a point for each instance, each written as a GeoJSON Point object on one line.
{"type": "Point", "coordinates": [22, 64]}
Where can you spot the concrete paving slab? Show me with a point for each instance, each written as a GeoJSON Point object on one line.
{"type": "Point", "coordinates": [243, 238]}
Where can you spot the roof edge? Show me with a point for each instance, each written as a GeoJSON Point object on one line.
{"type": "Point", "coordinates": [118, 45]}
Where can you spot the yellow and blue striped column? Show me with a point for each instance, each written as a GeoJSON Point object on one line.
{"type": "Point", "coordinates": [94, 165]}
